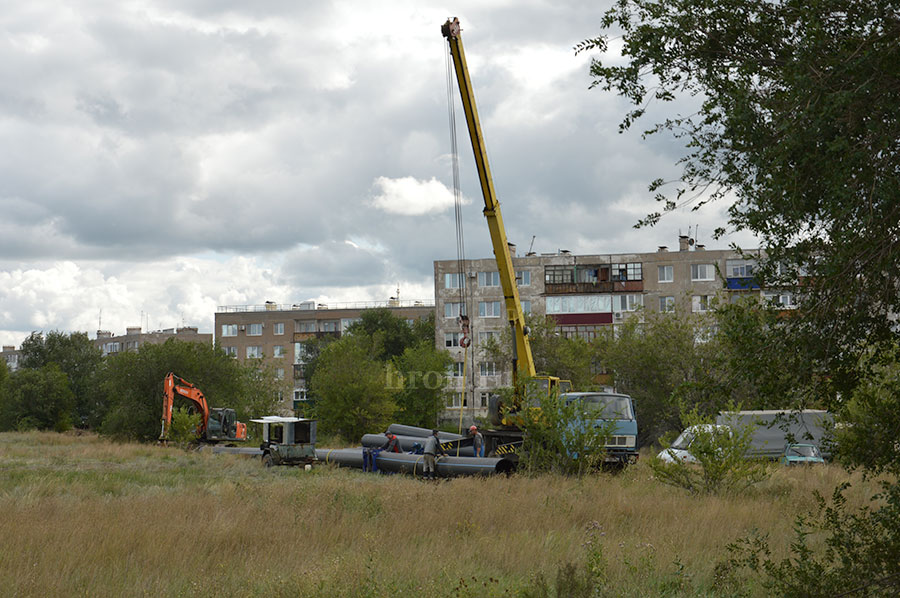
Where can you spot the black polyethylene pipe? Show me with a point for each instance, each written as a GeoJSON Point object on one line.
{"type": "Point", "coordinates": [401, 430]}
{"type": "Point", "coordinates": [414, 464]}
{"type": "Point", "coordinates": [407, 443]}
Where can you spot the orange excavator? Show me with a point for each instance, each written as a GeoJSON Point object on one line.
{"type": "Point", "coordinates": [218, 424]}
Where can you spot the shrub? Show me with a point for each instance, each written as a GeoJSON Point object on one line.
{"type": "Point", "coordinates": [720, 463]}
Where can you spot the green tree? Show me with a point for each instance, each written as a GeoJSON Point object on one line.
{"type": "Point", "coordinates": [37, 398]}
{"type": "Point", "coordinates": [78, 359]}
{"type": "Point", "coordinates": [794, 120]}
{"type": "Point", "coordinates": [354, 396]}
{"type": "Point", "coordinates": [422, 384]}
{"type": "Point", "coordinates": [392, 333]}
{"type": "Point", "coordinates": [131, 383]}
{"type": "Point", "coordinates": [668, 360]}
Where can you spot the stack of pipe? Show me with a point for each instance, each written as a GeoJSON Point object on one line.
{"type": "Point", "coordinates": [414, 464]}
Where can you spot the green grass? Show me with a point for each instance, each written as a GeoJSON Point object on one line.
{"type": "Point", "coordinates": [85, 517]}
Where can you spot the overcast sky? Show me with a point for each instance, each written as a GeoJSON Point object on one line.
{"type": "Point", "coordinates": [160, 159]}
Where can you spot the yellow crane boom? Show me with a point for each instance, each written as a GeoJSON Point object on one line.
{"type": "Point", "coordinates": [523, 362]}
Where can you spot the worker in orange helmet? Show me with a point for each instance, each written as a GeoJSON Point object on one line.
{"type": "Point", "coordinates": [477, 441]}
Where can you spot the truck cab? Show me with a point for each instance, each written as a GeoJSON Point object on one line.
{"type": "Point", "coordinates": [615, 411]}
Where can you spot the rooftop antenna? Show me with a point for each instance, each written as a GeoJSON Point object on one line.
{"type": "Point", "coordinates": [100, 320]}
{"type": "Point", "coordinates": [531, 247]}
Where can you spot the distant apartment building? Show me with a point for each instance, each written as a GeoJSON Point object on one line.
{"type": "Point", "coordinates": [134, 338]}
{"type": "Point", "coordinates": [11, 356]}
{"type": "Point", "coordinates": [585, 294]}
{"type": "Point", "coordinates": [278, 333]}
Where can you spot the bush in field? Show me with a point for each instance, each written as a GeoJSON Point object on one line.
{"type": "Point", "coordinates": [184, 426]}
{"type": "Point", "coordinates": [560, 437]}
{"type": "Point", "coordinates": [721, 466]}
{"type": "Point", "coordinates": [861, 555]}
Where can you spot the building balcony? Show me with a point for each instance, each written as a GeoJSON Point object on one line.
{"type": "Point", "coordinates": [583, 288]}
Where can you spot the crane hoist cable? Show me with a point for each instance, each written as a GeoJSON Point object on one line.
{"type": "Point", "coordinates": [464, 291]}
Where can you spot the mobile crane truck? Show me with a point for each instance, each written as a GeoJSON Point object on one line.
{"type": "Point", "coordinates": [216, 424]}
{"type": "Point", "coordinates": [615, 411]}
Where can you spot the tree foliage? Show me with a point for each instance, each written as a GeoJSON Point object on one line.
{"type": "Point", "coordinates": [797, 124]}
{"type": "Point", "coordinates": [37, 398]}
{"type": "Point", "coordinates": [421, 383]}
{"type": "Point", "coordinates": [392, 334]}
{"type": "Point", "coordinates": [78, 358]}
{"type": "Point", "coordinates": [353, 389]}
{"type": "Point", "coordinates": [130, 384]}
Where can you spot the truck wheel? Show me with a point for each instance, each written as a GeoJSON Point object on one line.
{"type": "Point", "coordinates": [267, 460]}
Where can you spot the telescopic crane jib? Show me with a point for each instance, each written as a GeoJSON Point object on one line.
{"type": "Point", "coordinates": [523, 363]}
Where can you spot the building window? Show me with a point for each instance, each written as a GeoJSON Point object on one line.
{"type": "Point", "coordinates": [489, 279]}
{"type": "Point", "coordinates": [623, 272]}
{"type": "Point", "coordinates": [304, 326]}
{"type": "Point", "coordinates": [301, 353]}
{"type": "Point", "coordinates": [254, 352]}
{"type": "Point", "coordinates": [456, 399]}
{"type": "Point", "coordinates": [229, 329]}
{"type": "Point", "coordinates": [587, 332]}
{"type": "Point", "coordinates": [780, 299]}
{"type": "Point", "coordinates": [484, 336]}
{"type": "Point", "coordinates": [489, 309]}
{"type": "Point", "coordinates": [559, 274]}
{"type": "Point", "coordinates": [254, 330]}
{"type": "Point", "coordinates": [456, 280]}
{"type": "Point", "coordinates": [454, 310]}
{"type": "Point", "coordinates": [526, 307]}
{"type": "Point", "coordinates": [279, 373]}
{"type": "Point", "coordinates": [451, 339]}
{"type": "Point", "coordinates": [330, 326]}
{"type": "Point", "coordinates": [740, 268]}
{"type": "Point", "coordinates": [278, 351]}
{"type": "Point", "coordinates": [455, 369]}
{"type": "Point", "coordinates": [279, 328]}
{"type": "Point", "coordinates": [523, 278]}
{"type": "Point", "coordinates": [702, 272]}
{"type": "Point", "coordinates": [484, 399]}
{"type": "Point", "coordinates": [578, 304]}
{"type": "Point", "coordinates": [488, 368]}
{"type": "Point", "coordinates": [627, 302]}
{"type": "Point", "coordinates": [667, 303]}
{"type": "Point", "coordinates": [700, 303]}
{"type": "Point", "coordinates": [666, 273]}
{"type": "Point", "coordinates": [230, 351]}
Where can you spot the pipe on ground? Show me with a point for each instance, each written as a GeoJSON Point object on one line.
{"type": "Point", "coordinates": [415, 464]}
{"type": "Point", "coordinates": [407, 443]}
{"type": "Point", "coordinates": [402, 430]}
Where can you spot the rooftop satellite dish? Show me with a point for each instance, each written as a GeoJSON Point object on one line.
{"type": "Point", "coordinates": [690, 241]}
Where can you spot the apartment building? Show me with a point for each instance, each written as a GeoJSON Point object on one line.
{"type": "Point", "coordinates": [584, 293]}
{"type": "Point", "coordinates": [277, 333]}
{"type": "Point", "coordinates": [134, 338]}
{"type": "Point", "coordinates": [11, 356]}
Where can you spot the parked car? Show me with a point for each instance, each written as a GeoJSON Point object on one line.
{"type": "Point", "coordinates": [801, 454]}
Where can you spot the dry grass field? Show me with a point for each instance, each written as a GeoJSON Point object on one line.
{"type": "Point", "coordinates": [81, 516]}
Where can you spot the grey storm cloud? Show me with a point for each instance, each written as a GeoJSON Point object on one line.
{"type": "Point", "coordinates": [246, 139]}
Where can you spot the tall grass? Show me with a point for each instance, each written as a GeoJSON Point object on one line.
{"type": "Point", "coordinates": [80, 516]}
